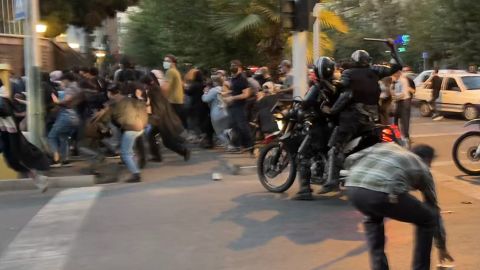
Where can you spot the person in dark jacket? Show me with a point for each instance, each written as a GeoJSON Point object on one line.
{"type": "Point", "coordinates": [198, 110]}
{"type": "Point", "coordinates": [19, 154]}
{"type": "Point", "coordinates": [164, 121]}
{"type": "Point", "coordinates": [130, 116]}
{"type": "Point", "coordinates": [436, 86]}
{"type": "Point", "coordinates": [357, 106]}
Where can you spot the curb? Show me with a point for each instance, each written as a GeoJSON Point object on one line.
{"type": "Point", "coordinates": [75, 181]}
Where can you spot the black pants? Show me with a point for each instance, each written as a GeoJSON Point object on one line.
{"type": "Point", "coordinates": [180, 110]}
{"type": "Point", "coordinates": [384, 111]}
{"type": "Point", "coordinates": [402, 116]}
{"type": "Point", "coordinates": [174, 143]}
{"type": "Point", "coordinates": [239, 124]}
{"type": "Point", "coordinates": [376, 206]}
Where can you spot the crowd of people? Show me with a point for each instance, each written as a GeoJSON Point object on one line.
{"type": "Point", "coordinates": [121, 112]}
{"type": "Point", "coordinates": [130, 110]}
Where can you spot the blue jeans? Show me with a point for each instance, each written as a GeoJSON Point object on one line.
{"type": "Point", "coordinates": [126, 149]}
{"type": "Point", "coordinates": [65, 125]}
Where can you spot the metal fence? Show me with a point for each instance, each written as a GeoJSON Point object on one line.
{"type": "Point", "coordinates": [8, 25]}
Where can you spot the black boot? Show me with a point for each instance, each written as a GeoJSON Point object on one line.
{"type": "Point", "coordinates": [135, 178]}
{"type": "Point", "coordinates": [333, 173]}
{"type": "Point", "coordinates": [305, 192]}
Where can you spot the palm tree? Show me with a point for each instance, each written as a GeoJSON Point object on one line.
{"type": "Point", "coordinates": [263, 18]}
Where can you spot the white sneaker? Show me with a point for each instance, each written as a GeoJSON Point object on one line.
{"type": "Point", "coordinates": [41, 181]}
{"type": "Point", "coordinates": [437, 118]}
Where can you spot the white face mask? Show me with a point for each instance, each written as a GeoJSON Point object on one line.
{"type": "Point", "coordinates": [167, 65]}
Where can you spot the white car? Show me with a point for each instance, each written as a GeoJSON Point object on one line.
{"type": "Point", "coordinates": [425, 75]}
{"type": "Point", "coordinates": [460, 93]}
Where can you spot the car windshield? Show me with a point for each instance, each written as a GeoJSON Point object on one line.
{"type": "Point", "coordinates": [471, 82]}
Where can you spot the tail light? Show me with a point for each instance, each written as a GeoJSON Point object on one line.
{"type": "Point", "coordinates": [396, 131]}
{"type": "Point", "coordinates": [391, 134]}
{"type": "Point", "coordinates": [387, 135]}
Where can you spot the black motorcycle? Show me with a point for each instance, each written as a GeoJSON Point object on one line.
{"type": "Point", "coordinates": [466, 150]}
{"type": "Point", "coordinates": [304, 142]}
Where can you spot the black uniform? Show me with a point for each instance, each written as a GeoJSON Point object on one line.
{"type": "Point", "coordinates": [357, 107]}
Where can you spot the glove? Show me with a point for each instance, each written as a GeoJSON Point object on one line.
{"type": "Point", "coordinates": [326, 110]}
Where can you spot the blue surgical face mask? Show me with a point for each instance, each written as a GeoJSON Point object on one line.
{"type": "Point", "coordinates": [167, 65]}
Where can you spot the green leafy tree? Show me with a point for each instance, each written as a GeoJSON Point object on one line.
{"type": "Point", "coordinates": [58, 14]}
{"type": "Point", "coordinates": [446, 29]}
{"type": "Point", "coordinates": [184, 29]}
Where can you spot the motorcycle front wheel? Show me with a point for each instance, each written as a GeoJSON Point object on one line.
{"type": "Point", "coordinates": [463, 153]}
{"type": "Point", "coordinates": [276, 168]}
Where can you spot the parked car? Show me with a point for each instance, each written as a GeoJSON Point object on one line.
{"type": "Point", "coordinates": [425, 75]}
{"type": "Point", "coordinates": [460, 93]}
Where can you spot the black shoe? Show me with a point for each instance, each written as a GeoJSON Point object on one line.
{"type": "Point", "coordinates": [248, 149]}
{"type": "Point", "coordinates": [328, 188]}
{"type": "Point", "coordinates": [156, 159]}
{"type": "Point", "coordinates": [74, 152]}
{"type": "Point", "coordinates": [142, 163]}
{"type": "Point", "coordinates": [135, 178]}
{"type": "Point", "coordinates": [303, 196]}
{"type": "Point", "coordinates": [187, 154]}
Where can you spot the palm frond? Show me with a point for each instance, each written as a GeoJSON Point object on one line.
{"type": "Point", "coordinates": [330, 20]}
{"type": "Point", "coordinates": [270, 13]}
{"type": "Point", "coordinates": [235, 25]}
{"type": "Point", "coordinates": [326, 45]}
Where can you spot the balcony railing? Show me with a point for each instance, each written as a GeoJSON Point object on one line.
{"type": "Point", "coordinates": [8, 25]}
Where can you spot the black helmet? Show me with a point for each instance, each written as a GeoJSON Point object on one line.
{"type": "Point", "coordinates": [324, 68]}
{"type": "Point", "coordinates": [361, 57]}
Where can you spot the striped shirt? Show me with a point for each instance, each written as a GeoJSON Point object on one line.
{"type": "Point", "coordinates": [389, 168]}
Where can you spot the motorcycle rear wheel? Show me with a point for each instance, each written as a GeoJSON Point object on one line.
{"type": "Point", "coordinates": [266, 171]}
{"type": "Point", "coordinates": [458, 154]}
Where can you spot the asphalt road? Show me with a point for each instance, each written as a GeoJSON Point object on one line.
{"type": "Point", "coordinates": [180, 219]}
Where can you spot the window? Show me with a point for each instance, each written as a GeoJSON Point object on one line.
{"type": "Point", "coordinates": [452, 85]}
{"type": "Point", "coordinates": [426, 76]}
{"type": "Point", "coordinates": [471, 82]}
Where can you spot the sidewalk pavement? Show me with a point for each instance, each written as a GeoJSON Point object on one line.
{"type": "Point", "coordinates": [79, 174]}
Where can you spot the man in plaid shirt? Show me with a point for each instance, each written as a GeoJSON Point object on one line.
{"type": "Point", "coordinates": [380, 178]}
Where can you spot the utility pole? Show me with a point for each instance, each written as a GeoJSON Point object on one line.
{"type": "Point", "coordinates": [317, 30]}
{"type": "Point", "coordinates": [35, 118]}
{"type": "Point", "coordinates": [297, 17]}
{"type": "Point", "coordinates": [300, 70]}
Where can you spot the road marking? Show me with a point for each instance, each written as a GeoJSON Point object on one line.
{"type": "Point", "coordinates": [46, 240]}
{"type": "Point", "coordinates": [437, 134]}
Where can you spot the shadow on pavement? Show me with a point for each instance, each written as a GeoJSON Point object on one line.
{"type": "Point", "coordinates": [268, 216]}
{"type": "Point", "coordinates": [474, 180]}
{"type": "Point", "coordinates": [354, 252]}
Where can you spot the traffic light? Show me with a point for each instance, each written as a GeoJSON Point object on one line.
{"type": "Point", "coordinates": [405, 39]}
{"type": "Point", "coordinates": [297, 14]}
{"type": "Point", "coordinates": [288, 14]}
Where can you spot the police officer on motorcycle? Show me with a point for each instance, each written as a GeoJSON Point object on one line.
{"type": "Point", "coordinates": [356, 107]}
{"type": "Point", "coordinates": [322, 90]}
